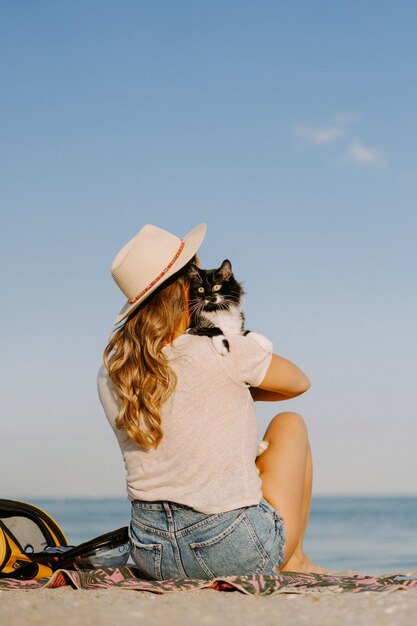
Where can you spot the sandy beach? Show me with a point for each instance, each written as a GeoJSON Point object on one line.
{"type": "Point", "coordinates": [69, 607]}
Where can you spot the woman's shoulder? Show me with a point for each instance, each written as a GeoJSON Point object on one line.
{"type": "Point", "coordinates": [188, 342]}
{"type": "Point", "coordinates": [106, 389]}
{"type": "Point", "coordinates": [102, 373]}
{"type": "Point", "coordinates": [108, 395]}
{"type": "Point", "coordinates": [251, 343]}
{"type": "Point", "coordinates": [239, 344]}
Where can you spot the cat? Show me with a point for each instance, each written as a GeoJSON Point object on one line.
{"type": "Point", "coordinates": [216, 307]}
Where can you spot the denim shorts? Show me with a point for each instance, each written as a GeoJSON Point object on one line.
{"type": "Point", "coordinates": [170, 540]}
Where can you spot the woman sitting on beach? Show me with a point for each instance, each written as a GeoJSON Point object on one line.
{"type": "Point", "coordinates": [184, 417]}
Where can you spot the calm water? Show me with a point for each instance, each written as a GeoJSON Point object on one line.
{"type": "Point", "coordinates": [364, 534]}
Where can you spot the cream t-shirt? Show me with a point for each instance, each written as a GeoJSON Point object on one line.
{"type": "Point", "coordinates": [206, 458]}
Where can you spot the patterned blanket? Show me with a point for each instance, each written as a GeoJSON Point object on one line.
{"type": "Point", "coordinates": [285, 582]}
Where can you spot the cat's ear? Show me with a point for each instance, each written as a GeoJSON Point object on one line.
{"type": "Point", "coordinates": [193, 272]}
{"type": "Point", "coordinates": [225, 270]}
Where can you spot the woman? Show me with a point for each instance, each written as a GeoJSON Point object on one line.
{"type": "Point", "coordinates": [185, 421]}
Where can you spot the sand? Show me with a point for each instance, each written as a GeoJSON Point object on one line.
{"type": "Point", "coordinates": [68, 607]}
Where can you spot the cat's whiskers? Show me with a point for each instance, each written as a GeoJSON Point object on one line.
{"type": "Point", "coordinates": [195, 305]}
{"type": "Point", "coordinates": [195, 308]}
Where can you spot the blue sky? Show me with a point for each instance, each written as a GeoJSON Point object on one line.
{"type": "Point", "coordinates": [290, 128]}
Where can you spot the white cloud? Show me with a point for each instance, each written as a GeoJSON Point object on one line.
{"type": "Point", "coordinates": [352, 148]}
{"type": "Point", "coordinates": [364, 155]}
{"type": "Point", "coordinates": [321, 135]}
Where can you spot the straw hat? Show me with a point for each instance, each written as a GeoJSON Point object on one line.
{"type": "Point", "coordinates": [149, 259]}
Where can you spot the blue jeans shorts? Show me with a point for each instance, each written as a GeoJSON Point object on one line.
{"type": "Point", "coordinates": [170, 540]}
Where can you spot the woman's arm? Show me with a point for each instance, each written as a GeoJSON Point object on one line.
{"type": "Point", "coordinates": [283, 380]}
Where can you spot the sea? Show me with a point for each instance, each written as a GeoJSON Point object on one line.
{"type": "Point", "coordinates": [366, 534]}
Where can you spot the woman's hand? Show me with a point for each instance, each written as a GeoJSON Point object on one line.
{"type": "Point", "coordinates": [283, 380]}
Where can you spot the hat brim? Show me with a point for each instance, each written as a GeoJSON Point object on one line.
{"type": "Point", "coordinates": [192, 242]}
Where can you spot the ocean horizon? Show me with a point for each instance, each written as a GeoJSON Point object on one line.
{"type": "Point", "coordinates": [359, 533]}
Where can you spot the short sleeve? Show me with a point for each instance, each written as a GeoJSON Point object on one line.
{"type": "Point", "coordinates": [107, 395]}
{"type": "Point", "coordinates": [250, 361]}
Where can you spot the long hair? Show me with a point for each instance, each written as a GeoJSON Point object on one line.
{"type": "Point", "coordinates": [137, 366]}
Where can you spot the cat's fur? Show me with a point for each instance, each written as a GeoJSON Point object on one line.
{"type": "Point", "coordinates": [216, 307]}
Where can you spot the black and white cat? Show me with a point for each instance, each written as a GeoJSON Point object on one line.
{"type": "Point", "coordinates": [216, 307]}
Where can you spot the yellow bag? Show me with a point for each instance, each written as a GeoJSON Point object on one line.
{"type": "Point", "coordinates": [32, 545]}
{"type": "Point", "coordinates": [24, 530]}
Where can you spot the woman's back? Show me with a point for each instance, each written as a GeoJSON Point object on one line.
{"type": "Point", "coordinates": [206, 458]}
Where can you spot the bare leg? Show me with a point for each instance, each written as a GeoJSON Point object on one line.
{"type": "Point", "coordinates": [299, 561]}
{"type": "Point", "coordinates": [286, 472]}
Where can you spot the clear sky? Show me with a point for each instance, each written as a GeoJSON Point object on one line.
{"type": "Point", "coordinates": [291, 129]}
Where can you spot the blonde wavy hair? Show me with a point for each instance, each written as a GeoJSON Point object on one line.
{"type": "Point", "coordinates": [136, 364]}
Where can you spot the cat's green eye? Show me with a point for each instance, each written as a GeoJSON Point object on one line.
{"type": "Point", "coordinates": [200, 290]}
{"type": "Point", "coordinates": [216, 287]}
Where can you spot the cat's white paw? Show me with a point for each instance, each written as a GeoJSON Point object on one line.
{"type": "Point", "coordinates": [262, 341]}
{"type": "Point", "coordinates": [221, 344]}
{"type": "Point", "coordinates": [262, 446]}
